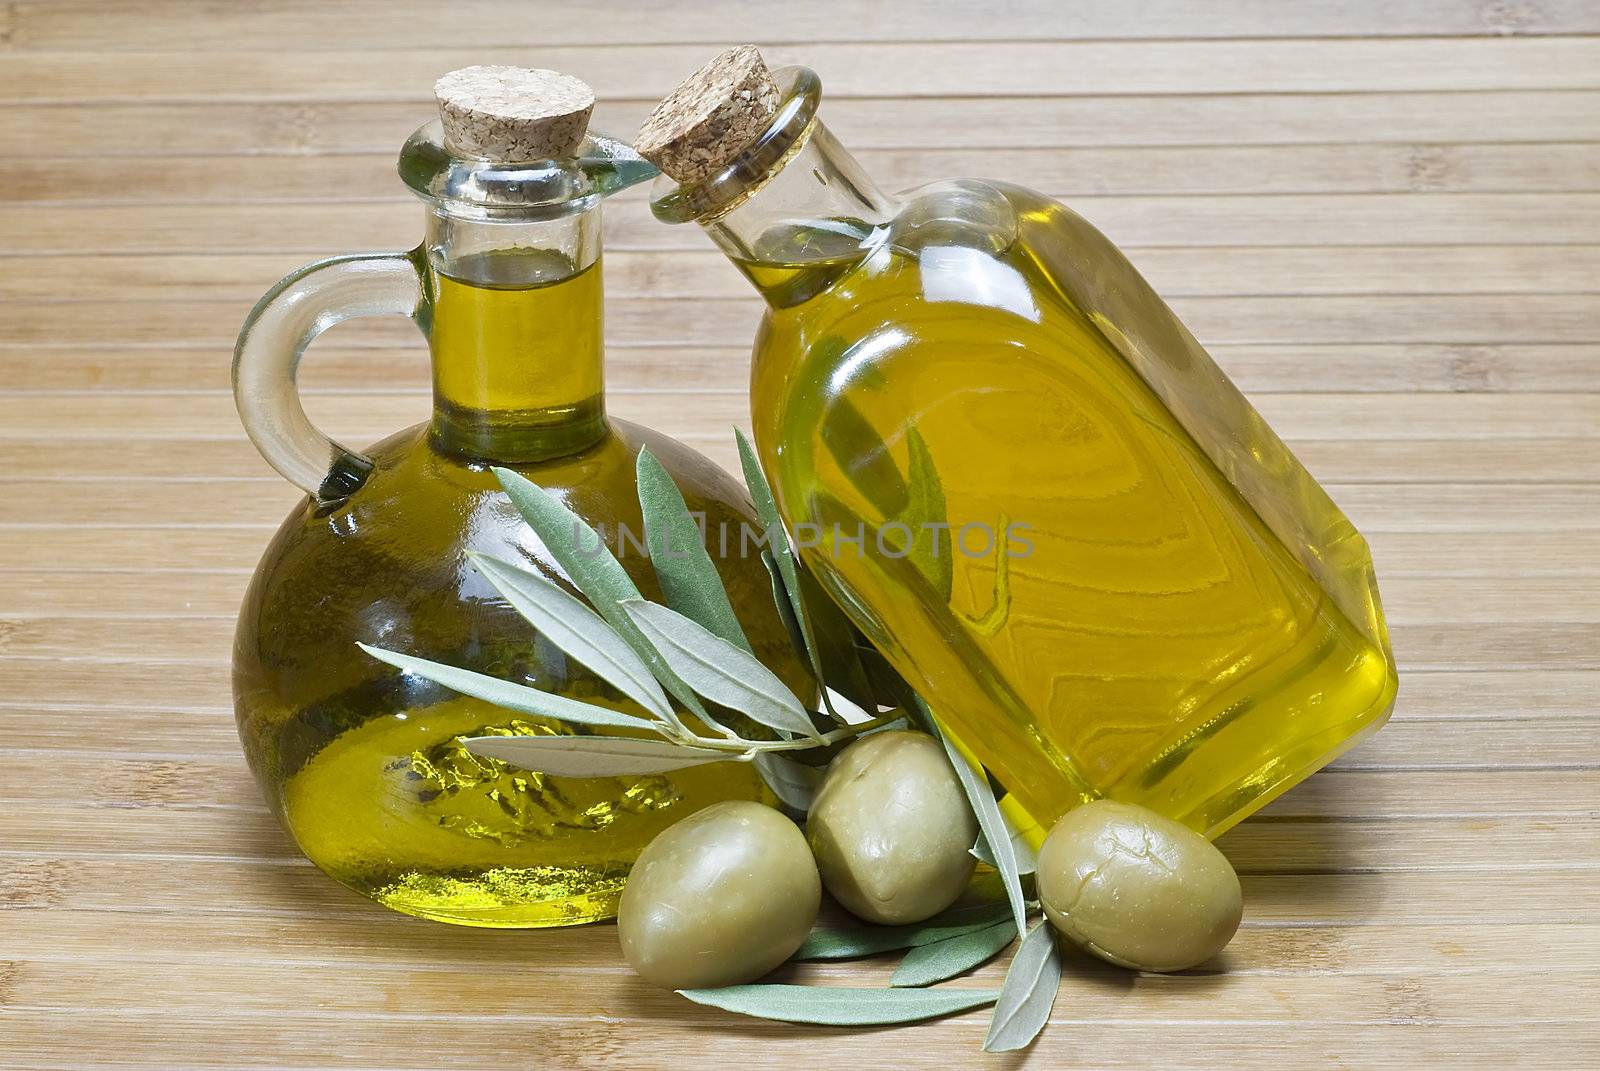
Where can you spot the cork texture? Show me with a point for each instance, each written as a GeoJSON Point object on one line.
{"type": "Point", "coordinates": [711, 117]}
{"type": "Point", "coordinates": [513, 114]}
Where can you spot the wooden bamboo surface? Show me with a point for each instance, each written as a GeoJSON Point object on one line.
{"type": "Point", "coordinates": [1383, 218]}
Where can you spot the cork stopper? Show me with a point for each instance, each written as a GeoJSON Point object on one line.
{"type": "Point", "coordinates": [513, 114]}
{"type": "Point", "coordinates": [711, 117]}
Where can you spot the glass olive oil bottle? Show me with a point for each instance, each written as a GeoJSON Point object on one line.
{"type": "Point", "coordinates": [364, 763]}
{"type": "Point", "coordinates": [1021, 476]}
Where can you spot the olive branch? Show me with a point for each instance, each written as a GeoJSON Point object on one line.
{"type": "Point", "coordinates": [692, 649]}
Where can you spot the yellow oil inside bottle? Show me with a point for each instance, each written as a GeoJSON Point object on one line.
{"type": "Point", "coordinates": [498, 315]}
{"type": "Point", "coordinates": [1110, 612]}
{"type": "Point", "coordinates": [366, 765]}
{"type": "Point", "coordinates": [481, 842]}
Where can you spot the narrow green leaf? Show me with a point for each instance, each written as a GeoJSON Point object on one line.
{"type": "Point", "coordinates": [580, 551]}
{"type": "Point", "coordinates": [851, 940]}
{"type": "Point", "coordinates": [780, 549]}
{"type": "Point", "coordinates": [1027, 858]}
{"type": "Point", "coordinates": [847, 711]}
{"type": "Point", "coordinates": [889, 689]}
{"type": "Point", "coordinates": [689, 579]}
{"type": "Point", "coordinates": [518, 697]}
{"type": "Point", "coordinates": [1028, 993]}
{"type": "Point", "coordinates": [576, 629]}
{"type": "Point", "coordinates": [932, 548]}
{"type": "Point", "coordinates": [896, 725]}
{"type": "Point", "coordinates": [835, 637]}
{"type": "Point", "coordinates": [780, 599]}
{"type": "Point", "coordinates": [990, 820]}
{"type": "Point", "coordinates": [840, 1005]}
{"type": "Point", "coordinates": [593, 756]}
{"type": "Point", "coordinates": [792, 782]}
{"type": "Point", "coordinates": [576, 546]}
{"type": "Point", "coordinates": [927, 964]}
{"type": "Point", "coordinates": [824, 633]}
{"type": "Point", "coordinates": [718, 670]}
{"type": "Point", "coordinates": [858, 447]}
{"type": "Point", "coordinates": [761, 495]}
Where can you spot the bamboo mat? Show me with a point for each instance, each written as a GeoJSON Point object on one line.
{"type": "Point", "coordinates": [1382, 218]}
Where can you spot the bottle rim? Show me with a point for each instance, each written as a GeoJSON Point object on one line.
{"type": "Point", "coordinates": [490, 191]}
{"type": "Point", "coordinates": [790, 128]}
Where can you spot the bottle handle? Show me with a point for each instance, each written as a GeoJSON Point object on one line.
{"type": "Point", "coordinates": [286, 320]}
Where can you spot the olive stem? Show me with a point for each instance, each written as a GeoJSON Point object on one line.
{"type": "Point", "coordinates": [752, 747]}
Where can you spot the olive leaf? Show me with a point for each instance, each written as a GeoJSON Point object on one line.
{"type": "Point", "coordinates": [780, 599]}
{"type": "Point", "coordinates": [794, 783]}
{"type": "Point", "coordinates": [846, 709]}
{"type": "Point", "coordinates": [579, 631]}
{"type": "Point", "coordinates": [782, 553]}
{"type": "Point", "coordinates": [688, 578]}
{"type": "Point", "coordinates": [930, 963]}
{"type": "Point", "coordinates": [840, 1005]}
{"type": "Point", "coordinates": [822, 631]}
{"type": "Point", "coordinates": [593, 756]}
{"type": "Point", "coordinates": [835, 637]}
{"type": "Point", "coordinates": [1027, 858]}
{"type": "Point", "coordinates": [719, 671]}
{"type": "Point", "coordinates": [857, 447]}
{"type": "Point", "coordinates": [518, 697]}
{"type": "Point", "coordinates": [990, 820]}
{"type": "Point", "coordinates": [1028, 992]}
{"type": "Point", "coordinates": [595, 571]}
{"type": "Point", "coordinates": [900, 724]}
{"type": "Point", "coordinates": [889, 689]}
{"type": "Point", "coordinates": [926, 515]}
{"type": "Point", "coordinates": [609, 636]}
{"type": "Point", "coordinates": [852, 940]}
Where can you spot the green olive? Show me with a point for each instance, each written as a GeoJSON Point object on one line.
{"type": "Point", "coordinates": [892, 830]}
{"type": "Point", "coordinates": [1136, 888]}
{"type": "Point", "coordinates": [720, 898]}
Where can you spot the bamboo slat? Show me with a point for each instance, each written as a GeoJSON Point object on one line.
{"type": "Point", "coordinates": [1375, 507]}
{"type": "Point", "coordinates": [1203, 169]}
{"type": "Point", "coordinates": [1513, 599]}
{"type": "Point", "coordinates": [852, 69]}
{"type": "Point", "coordinates": [1467, 319]}
{"type": "Point", "coordinates": [146, 728]}
{"type": "Point", "coordinates": [233, 549]}
{"type": "Point", "coordinates": [263, 128]}
{"type": "Point", "coordinates": [682, 410]}
{"type": "Point", "coordinates": [382, 24]}
{"type": "Point", "coordinates": [1333, 460]}
{"type": "Point", "coordinates": [1260, 368]}
{"type": "Point", "coordinates": [1205, 271]}
{"type": "Point", "coordinates": [1294, 220]}
{"type": "Point", "coordinates": [305, 1038]}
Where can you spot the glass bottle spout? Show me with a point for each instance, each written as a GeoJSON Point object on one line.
{"type": "Point", "coordinates": [489, 190]}
{"type": "Point", "coordinates": [494, 224]}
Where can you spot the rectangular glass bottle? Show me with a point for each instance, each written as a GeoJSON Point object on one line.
{"type": "Point", "coordinates": [1034, 491]}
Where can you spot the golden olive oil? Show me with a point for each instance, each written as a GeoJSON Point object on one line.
{"type": "Point", "coordinates": [481, 842]}
{"type": "Point", "coordinates": [1060, 522]}
{"type": "Point", "coordinates": [498, 315]}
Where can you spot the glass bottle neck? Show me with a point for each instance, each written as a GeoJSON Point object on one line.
{"type": "Point", "coordinates": [808, 220]}
{"type": "Point", "coordinates": [516, 332]}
